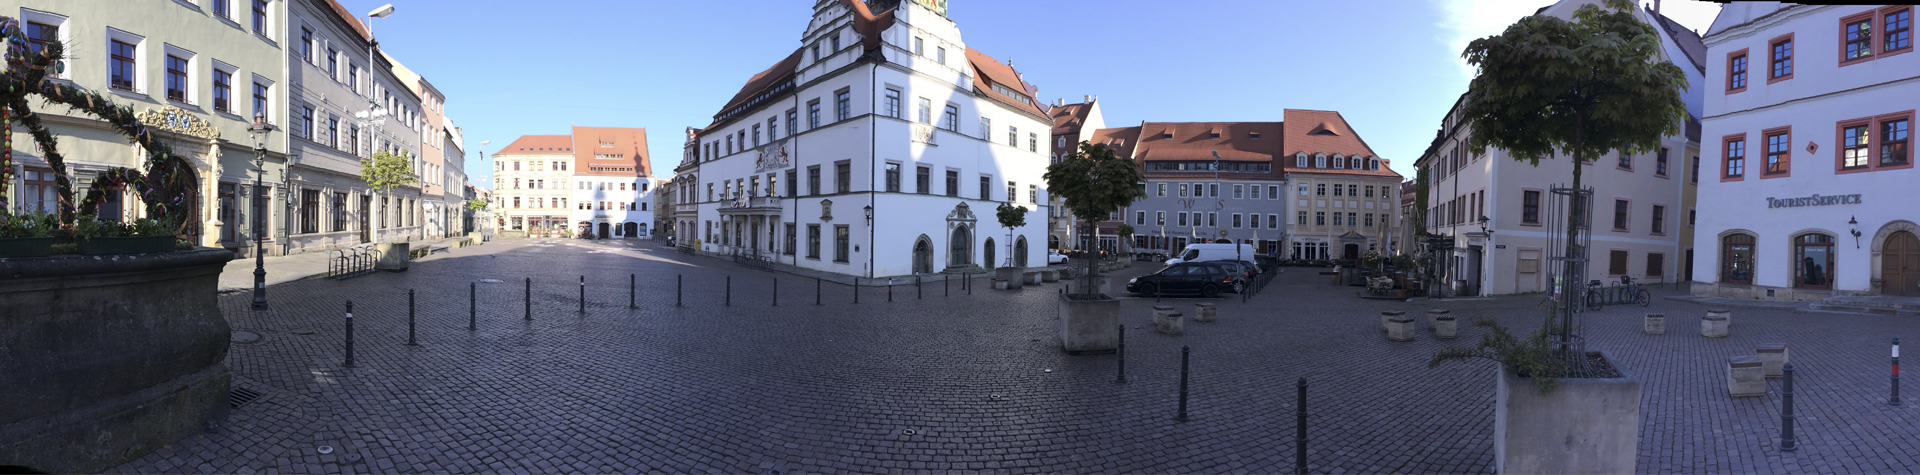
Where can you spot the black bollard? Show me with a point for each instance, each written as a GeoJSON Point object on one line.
{"type": "Point", "coordinates": [856, 290]}
{"type": "Point", "coordinates": [1786, 408]}
{"type": "Point", "coordinates": [410, 340]}
{"type": "Point", "coordinates": [969, 283]}
{"type": "Point", "coordinates": [776, 291]}
{"type": "Point", "coordinates": [889, 290]}
{"type": "Point", "coordinates": [1895, 400]}
{"type": "Point", "coordinates": [946, 287]}
{"type": "Point", "coordinates": [1123, 355]}
{"type": "Point", "coordinates": [529, 299]}
{"type": "Point", "coordinates": [1182, 417]}
{"type": "Point", "coordinates": [816, 291]}
{"type": "Point", "coordinates": [349, 362]}
{"type": "Point", "coordinates": [631, 280]}
{"type": "Point", "coordinates": [472, 320]}
{"type": "Point", "coordinates": [1300, 434]}
{"type": "Point", "coordinates": [917, 293]}
{"type": "Point", "coordinates": [583, 295]}
{"type": "Point", "coordinates": [679, 283]}
{"type": "Point", "coordinates": [729, 301]}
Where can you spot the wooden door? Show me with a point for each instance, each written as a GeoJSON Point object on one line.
{"type": "Point", "coordinates": [1900, 265]}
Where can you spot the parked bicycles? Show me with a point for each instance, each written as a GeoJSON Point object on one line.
{"type": "Point", "coordinates": [1625, 291]}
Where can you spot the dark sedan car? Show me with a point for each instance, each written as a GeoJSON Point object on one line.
{"type": "Point", "coordinates": [1204, 278]}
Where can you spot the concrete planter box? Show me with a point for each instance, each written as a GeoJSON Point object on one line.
{"type": "Point", "coordinates": [1584, 425]}
{"type": "Point", "coordinates": [513, 235]}
{"type": "Point", "coordinates": [1030, 277]}
{"type": "Point", "coordinates": [1012, 275]}
{"type": "Point", "coordinates": [1433, 316]}
{"type": "Point", "coordinates": [1656, 324]}
{"type": "Point", "coordinates": [1713, 326]}
{"type": "Point", "coordinates": [1089, 325]}
{"type": "Point", "coordinates": [1167, 320]}
{"type": "Point", "coordinates": [1722, 314]}
{"type": "Point", "coordinates": [1400, 328]}
{"type": "Point", "coordinates": [1049, 275]}
{"type": "Point", "coordinates": [108, 358]}
{"type": "Point", "coordinates": [1445, 327]}
{"type": "Point", "coordinates": [26, 247]}
{"type": "Point", "coordinates": [1746, 376]}
{"type": "Point", "coordinates": [1205, 312]}
{"type": "Point", "coordinates": [392, 256]}
{"type": "Point", "coordinates": [477, 237]}
{"type": "Point", "coordinates": [1773, 356]}
{"type": "Point", "coordinates": [1386, 316]}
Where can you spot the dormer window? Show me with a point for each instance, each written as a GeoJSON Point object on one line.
{"type": "Point", "coordinates": [1339, 162]}
{"type": "Point", "coordinates": [1214, 135]}
{"type": "Point", "coordinates": [1300, 160]}
{"type": "Point", "coordinates": [1319, 161]}
{"type": "Point", "coordinates": [1253, 135]}
{"type": "Point", "coordinates": [1166, 135]}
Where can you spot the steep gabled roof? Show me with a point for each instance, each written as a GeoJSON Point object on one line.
{"type": "Point", "coordinates": [1238, 141]}
{"type": "Point", "coordinates": [539, 145]}
{"type": "Point", "coordinates": [1688, 41]}
{"type": "Point", "coordinates": [1315, 132]}
{"type": "Point", "coordinates": [991, 71]}
{"type": "Point", "coordinates": [630, 143]}
{"type": "Point", "coordinates": [1069, 118]}
{"type": "Point", "coordinates": [1122, 139]}
{"type": "Point", "coordinates": [778, 74]}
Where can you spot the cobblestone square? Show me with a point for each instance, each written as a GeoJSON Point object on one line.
{"type": "Point", "coordinates": [931, 382]}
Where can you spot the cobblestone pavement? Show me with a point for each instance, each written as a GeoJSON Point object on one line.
{"type": "Point", "coordinates": [956, 383]}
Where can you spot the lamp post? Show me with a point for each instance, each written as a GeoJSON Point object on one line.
{"type": "Point", "coordinates": [258, 132]}
{"type": "Point", "coordinates": [1853, 226]}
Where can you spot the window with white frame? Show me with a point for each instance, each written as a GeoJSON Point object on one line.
{"type": "Point", "coordinates": [223, 87]}
{"type": "Point", "coordinates": [179, 68]}
{"type": "Point", "coordinates": [263, 98]}
{"type": "Point", "coordinates": [43, 29]}
{"type": "Point", "coordinates": [124, 70]}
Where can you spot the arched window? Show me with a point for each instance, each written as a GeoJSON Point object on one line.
{"type": "Point", "coordinates": [1339, 161]}
{"type": "Point", "coordinates": [1319, 161]}
{"type": "Point", "coordinates": [1813, 261]}
{"type": "Point", "coordinates": [1736, 259]}
{"type": "Point", "coordinates": [960, 254]}
{"type": "Point", "coordinates": [987, 254]}
{"type": "Point", "coordinates": [1373, 164]}
{"type": "Point", "coordinates": [1300, 160]}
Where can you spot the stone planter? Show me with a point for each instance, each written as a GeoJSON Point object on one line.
{"type": "Point", "coordinates": [26, 247]}
{"type": "Point", "coordinates": [391, 256]}
{"type": "Point", "coordinates": [1713, 326]}
{"type": "Point", "coordinates": [1089, 325]}
{"type": "Point", "coordinates": [108, 358]}
{"type": "Point", "coordinates": [1656, 324]}
{"type": "Point", "coordinates": [101, 246]}
{"type": "Point", "coordinates": [1012, 275]}
{"type": "Point", "coordinates": [1773, 356]}
{"type": "Point", "coordinates": [1167, 321]}
{"type": "Point", "coordinates": [477, 237]}
{"type": "Point", "coordinates": [1445, 327]}
{"type": "Point", "coordinates": [1030, 277]}
{"type": "Point", "coordinates": [516, 235]}
{"type": "Point", "coordinates": [1400, 328]}
{"type": "Point", "coordinates": [1724, 314]}
{"type": "Point", "coordinates": [1205, 312]}
{"type": "Point", "coordinates": [999, 284]}
{"type": "Point", "coordinates": [1433, 316]}
{"type": "Point", "coordinates": [1388, 315]}
{"type": "Point", "coordinates": [1584, 425]}
{"type": "Point", "coordinates": [1050, 275]}
{"type": "Point", "coordinates": [1746, 376]}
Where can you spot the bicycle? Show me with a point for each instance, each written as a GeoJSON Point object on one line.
{"type": "Point", "coordinates": [1623, 292]}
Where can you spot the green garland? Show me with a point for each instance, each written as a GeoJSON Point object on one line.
{"type": "Point", "coordinates": [165, 184]}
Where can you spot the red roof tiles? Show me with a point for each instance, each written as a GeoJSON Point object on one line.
{"type": "Point", "coordinates": [539, 145]}
{"type": "Point", "coordinates": [630, 144]}
{"type": "Point", "coordinates": [991, 71]}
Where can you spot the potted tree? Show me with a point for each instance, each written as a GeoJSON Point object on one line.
{"type": "Point", "coordinates": [383, 172]}
{"type": "Point", "coordinates": [1093, 182]}
{"type": "Point", "coordinates": [1010, 217]}
{"type": "Point", "coordinates": [1555, 412]}
{"type": "Point", "coordinates": [1585, 88]}
{"type": "Point", "coordinates": [476, 204]}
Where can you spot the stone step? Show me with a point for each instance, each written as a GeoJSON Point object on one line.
{"type": "Point", "coordinates": [1897, 303]}
{"type": "Point", "coordinates": [1822, 307]}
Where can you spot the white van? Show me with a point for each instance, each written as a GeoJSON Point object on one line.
{"type": "Point", "coordinates": [1213, 252]}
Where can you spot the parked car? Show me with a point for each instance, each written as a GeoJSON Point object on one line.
{"type": "Point", "coordinates": [1213, 252]}
{"type": "Point", "coordinates": [1241, 274]}
{"type": "Point", "coordinates": [1055, 257]}
{"type": "Point", "coordinates": [1204, 278]}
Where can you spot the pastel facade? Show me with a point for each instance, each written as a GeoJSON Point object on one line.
{"type": "Point", "coordinates": [1809, 174]}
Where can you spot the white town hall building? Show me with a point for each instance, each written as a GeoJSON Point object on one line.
{"type": "Point", "coordinates": [880, 147]}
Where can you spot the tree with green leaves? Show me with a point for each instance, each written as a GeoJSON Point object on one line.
{"type": "Point", "coordinates": [1093, 183]}
{"type": "Point", "coordinates": [385, 171]}
{"type": "Point", "coordinates": [1010, 217]}
{"type": "Point", "coordinates": [1581, 88]}
{"type": "Point", "coordinates": [1125, 231]}
{"type": "Point", "coordinates": [477, 204]}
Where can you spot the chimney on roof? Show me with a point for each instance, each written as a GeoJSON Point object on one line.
{"type": "Point", "coordinates": [1656, 7]}
{"type": "Point", "coordinates": [1059, 101]}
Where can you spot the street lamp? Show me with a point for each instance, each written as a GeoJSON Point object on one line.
{"type": "Point", "coordinates": [869, 210]}
{"type": "Point", "coordinates": [1853, 226]}
{"type": "Point", "coordinates": [258, 132]}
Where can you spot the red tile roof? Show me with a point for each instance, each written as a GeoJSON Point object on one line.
{"type": "Point", "coordinates": [351, 20]}
{"type": "Point", "coordinates": [869, 24]}
{"type": "Point", "coordinates": [539, 145]}
{"type": "Point", "coordinates": [990, 71]}
{"type": "Point", "coordinates": [1315, 132]}
{"type": "Point", "coordinates": [1069, 118]}
{"type": "Point", "coordinates": [775, 75]}
{"type": "Point", "coordinates": [1238, 141]}
{"type": "Point", "coordinates": [629, 143]}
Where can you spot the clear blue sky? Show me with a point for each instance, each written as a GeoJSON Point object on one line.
{"type": "Point", "coordinates": [1391, 67]}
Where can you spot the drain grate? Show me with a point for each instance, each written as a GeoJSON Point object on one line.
{"type": "Point", "coordinates": [240, 397]}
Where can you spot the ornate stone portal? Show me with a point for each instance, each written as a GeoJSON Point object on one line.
{"type": "Point", "coordinates": [960, 226]}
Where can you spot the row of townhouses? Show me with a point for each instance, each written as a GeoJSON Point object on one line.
{"type": "Point", "coordinates": [596, 182]}
{"type": "Point", "coordinates": [884, 115]}
{"type": "Point", "coordinates": [1796, 145]}
{"type": "Point", "coordinates": [201, 72]}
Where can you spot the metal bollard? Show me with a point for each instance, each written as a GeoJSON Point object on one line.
{"type": "Point", "coordinates": [856, 290]}
{"type": "Point", "coordinates": [1300, 435]}
{"type": "Point", "coordinates": [583, 295]}
{"type": "Point", "coordinates": [349, 362]}
{"type": "Point", "coordinates": [776, 291]}
{"type": "Point", "coordinates": [529, 299]}
{"type": "Point", "coordinates": [632, 279]}
{"type": "Point", "coordinates": [946, 287]}
{"type": "Point", "coordinates": [410, 340]}
{"type": "Point", "coordinates": [969, 283]}
{"type": "Point", "coordinates": [729, 301]}
{"type": "Point", "coordinates": [1786, 408]}
{"type": "Point", "coordinates": [472, 320]}
{"type": "Point", "coordinates": [889, 289]}
{"type": "Point", "coordinates": [679, 284]}
{"type": "Point", "coordinates": [1895, 400]}
{"type": "Point", "coordinates": [917, 293]}
{"type": "Point", "coordinates": [1182, 417]}
{"type": "Point", "coordinates": [1123, 355]}
{"type": "Point", "coordinates": [816, 291]}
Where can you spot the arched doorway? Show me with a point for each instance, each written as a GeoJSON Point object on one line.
{"type": "Point", "coordinates": [957, 253]}
{"type": "Point", "coordinates": [922, 255]}
{"type": "Point", "coordinates": [603, 230]}
{"type": "Point", "coordinates": [1736, 259]}
{"type": "Point", "coordinates": [1020, 251]}
{"type": "Point", "coordinates": [1053, 242]}
{"type": "Point", "coordinates": [1900, 264]}
{"type": "Point", "coordinates": [632, 229]}
{"type": "Point", "coordinates": [987, 253]}
{"type": "Point", "coordinates": [1350, 251]}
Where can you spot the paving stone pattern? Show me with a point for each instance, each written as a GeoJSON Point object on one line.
{"type": "Point", "coordinates": [962, 383]}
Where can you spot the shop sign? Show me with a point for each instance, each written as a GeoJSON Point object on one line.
{"type": "Point", "coordinates": [1815, 200]}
